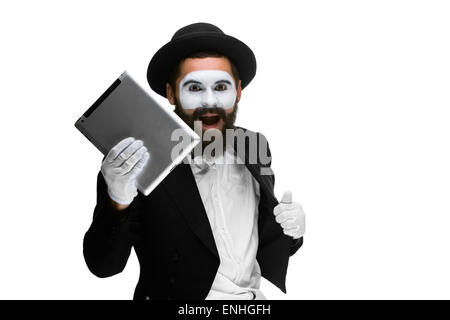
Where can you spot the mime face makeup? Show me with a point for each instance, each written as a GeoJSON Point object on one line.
{"type": "Point", "coordinates": [207, 89]}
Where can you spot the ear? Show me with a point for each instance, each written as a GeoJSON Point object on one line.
{"type": "Point", "coordinates": [238, 91]}
{"type": "Point", "coordinates": [170, 94]}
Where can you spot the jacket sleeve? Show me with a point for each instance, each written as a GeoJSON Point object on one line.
{"type": "Point", "coordinates": [107, 243]}
{"type": "Point", "coordinates": [295, 243]}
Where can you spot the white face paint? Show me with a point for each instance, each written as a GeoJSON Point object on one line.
{"type": "Point", "coordinates": [207, 88]}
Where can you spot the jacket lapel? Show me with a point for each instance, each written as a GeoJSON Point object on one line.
{"type": "Point", "coordinates": [181, 186]}
{"type": "Point", "coordinates": [265, 183]}
{"type": "Point", "coordinates": [265, 180]}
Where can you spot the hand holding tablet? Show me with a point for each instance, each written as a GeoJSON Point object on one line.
{"type": "Point", "coordinates": [121, 167]}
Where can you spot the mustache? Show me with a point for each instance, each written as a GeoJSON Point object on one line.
{"type": "Point", "coordinates": [228, 119]}
{"type": "Point", "coordinates": [204, 110]}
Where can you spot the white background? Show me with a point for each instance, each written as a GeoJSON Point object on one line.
{"type": "Point", "coordinates": [353, 97]}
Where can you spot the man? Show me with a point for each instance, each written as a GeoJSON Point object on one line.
{"type": "Point", "coordinates": [213, 226]}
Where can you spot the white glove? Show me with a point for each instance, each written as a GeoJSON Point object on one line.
{"type": "Point", "coordinates": [121, 167]}
{"type": "Point", "coordinates": [290, 216]}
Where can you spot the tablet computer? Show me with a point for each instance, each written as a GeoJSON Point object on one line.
{"type": "Point", "coordinates": [124, 110]}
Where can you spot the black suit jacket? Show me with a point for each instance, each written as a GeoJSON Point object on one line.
{"type": "Point", "coordinates": [172, 237]}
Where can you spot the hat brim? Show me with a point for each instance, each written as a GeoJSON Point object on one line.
{"type": "Point", "coordinates": [165, 59]}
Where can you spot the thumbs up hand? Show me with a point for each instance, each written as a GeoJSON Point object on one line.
{"type": "Point", "coordinates": [290, 216]}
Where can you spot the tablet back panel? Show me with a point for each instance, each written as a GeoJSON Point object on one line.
{"type": "Point", "coordinates": [125, 110]}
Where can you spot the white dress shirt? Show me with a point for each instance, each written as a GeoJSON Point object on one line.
{"type": "Point", "coordinates": [230, 196]}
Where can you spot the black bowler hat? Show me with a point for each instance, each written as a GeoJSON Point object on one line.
{"type": "Point", "coordinates": [197, 37]}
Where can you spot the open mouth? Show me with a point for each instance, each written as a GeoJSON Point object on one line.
{"type": "Point", "coordinates": [210, 119]}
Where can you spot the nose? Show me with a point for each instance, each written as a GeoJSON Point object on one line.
{"type": "Point", "coordinates": [209, 99]}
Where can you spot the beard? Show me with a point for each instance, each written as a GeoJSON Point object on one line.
{"type": "Point", "coordinates": [228, 119]}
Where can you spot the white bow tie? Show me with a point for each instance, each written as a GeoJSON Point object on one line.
{"type": "Point", "coordinates": [202, 165]}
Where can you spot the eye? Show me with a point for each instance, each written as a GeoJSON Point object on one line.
{"type": "Point", "coordinates": [221, 87]}
{"type": "Point", "coordinates": [194, 87]}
